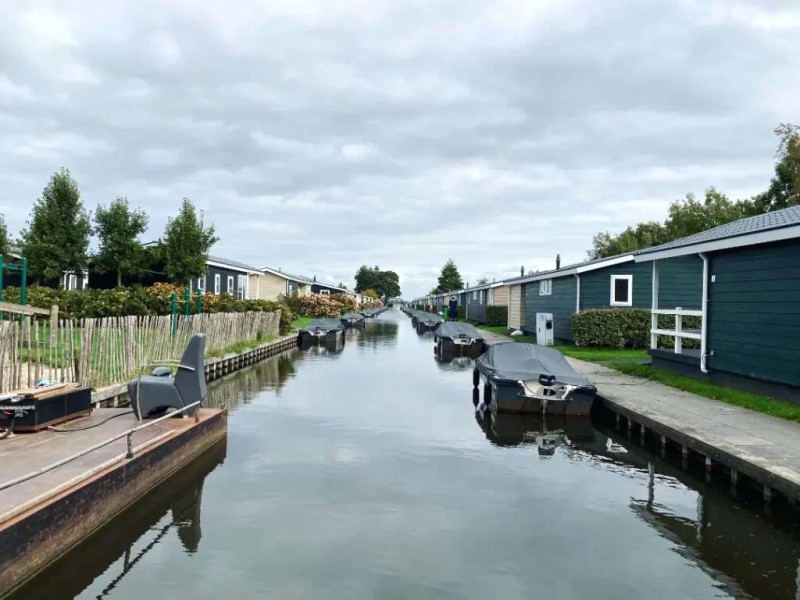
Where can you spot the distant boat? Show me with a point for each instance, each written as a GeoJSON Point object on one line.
{"type": "Point", "coordinates": [352, 319]}
{"type": "Point", "coordinates": [428, 322]}
{"type": "Point", "coordinates": [325, 330]}
{"type": "Point", "coordinates": [458, 339]}
{"type": "Point", "coordinates": [532, 378]}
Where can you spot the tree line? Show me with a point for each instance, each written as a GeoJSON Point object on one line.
{"type": "Point", "coordinates": [56, 238]}
{"type": "Point", "coordinates": [692, 215]}
{"type": "Point", "coordinates": [375, 283]}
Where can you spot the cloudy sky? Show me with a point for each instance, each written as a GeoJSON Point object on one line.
{"type": "Point", "coordinates": [319, 135]}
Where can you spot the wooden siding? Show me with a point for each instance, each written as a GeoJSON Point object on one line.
{"type": "Point", "coordinates": [561, 303]}
{"type": "Point", "coordinates": [754, 312]}
{"type": "Point", "coordinates": [224, 274]}
{"type": "Point", "coordinates": [266, 286]}
{"type": "Point", "coordinates": [500, 296]}
{"type": "Point", "coordinates": [596, 286]}
{"type": "Point", "coordinates": [516, 306]}
{"type": "Point", "coordinates": [680, 282]}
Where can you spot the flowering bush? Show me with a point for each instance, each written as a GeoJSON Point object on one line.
{"type": "Point", "coordinates": [325, 306]}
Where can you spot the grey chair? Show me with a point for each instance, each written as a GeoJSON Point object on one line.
{"type": "Point", "coordinates": [159, 391]}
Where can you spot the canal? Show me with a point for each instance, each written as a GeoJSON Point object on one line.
{"type": "Point", "coordinates": [368, 473]}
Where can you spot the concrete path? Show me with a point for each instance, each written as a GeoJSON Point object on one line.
{"type": "Point", "coordinates": [762, 447]}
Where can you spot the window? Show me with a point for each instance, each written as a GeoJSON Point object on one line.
{"type": "Point", "coordinates": [217, 284]}
{"type": "Point", "coordinates": [474, 295]}
{"type": "Point", "coordinates": [201, 284]}
{"type": "Point", "coordinates": [481, 296]}
{"type": "Point", "coordinates": [325, 292]}
{"type": "Point", "coordinates": [546, 287]}
{"type": "Point", "coordinates": [230, 284]}
{"type": "Point", "coordinates": [621, 290]}
{"type": "Point", "coordinates": [241, 291]}
{"type": "Point", "coordinates": [490, 297]}
{"type": "Point", "coordinates": [72, 282]}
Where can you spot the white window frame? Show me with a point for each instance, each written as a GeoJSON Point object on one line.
{"type": "Point", "coordinates": [72, 281]}
{"type": "Point", "coordinates": [629, 279]}
{"type": "Point", "coordinates": [241, 290]}
{"type": "Point", "coordinates": [324, 292]}
{"type": "Point", "coordinates": [201, 284]}
{"type": "Point", "coordinates": [489, 297]}
{"type": "Point", "coordinates": [217, 284]}
{"type": "Point", "coordinates": [229, 288]}
{"type": "Point", "coordinates": [546, 287]}
{"type": "Point", "coordinates": [475, 295]}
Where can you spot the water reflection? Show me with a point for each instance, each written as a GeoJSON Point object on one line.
{"type": "Point", "coordinates": [748, 555]}
{"type": "Point", "coordinates": [317, 348]}
{"type": "Point", "coordinates": [241, 387]}
{"type": "Point", "coordinates": [379, 332]}
{"type": "Point", "coordinates": [105, 559]}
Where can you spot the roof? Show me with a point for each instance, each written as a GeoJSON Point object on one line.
{"type": "Point", "coordinates": [768, 227]}
{"type": "Point", "coordinates": [573, 269]}
{"type": "Point", "coordinates": [231, 264]}
{"type": "Point", "coordinates": [288, 276]}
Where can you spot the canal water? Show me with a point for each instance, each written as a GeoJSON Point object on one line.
{"type": "Point", "coordinates": [366, 472]}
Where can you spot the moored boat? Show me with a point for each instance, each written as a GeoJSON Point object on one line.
{"type": "Point", "coordinates": [324, 330]}
{"type": "Point", "coordinates": [428, 322]}
{"type": "Point", "coordinates": [458, 339]}
{"type": "Point", "coordinates": [352, 319]}
{"type": "Point", "coordinates": [531, 378]}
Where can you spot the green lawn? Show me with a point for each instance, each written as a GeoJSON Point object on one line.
{"type": "Point", "coordinates": [301, 322]}
{"type": "Point", "coordinates": [770, 406]}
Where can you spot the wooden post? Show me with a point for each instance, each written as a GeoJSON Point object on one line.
{"type": "Point", "coordinates": [654, 305]}
{"type": "Point", "coordinates": [53, 325]}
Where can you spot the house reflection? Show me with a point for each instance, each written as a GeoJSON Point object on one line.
{"type": "Point", "coordinates": [241, 387]}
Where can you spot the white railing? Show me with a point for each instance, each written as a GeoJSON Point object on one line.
{"type": "Point", "coordinates": [678, 333]}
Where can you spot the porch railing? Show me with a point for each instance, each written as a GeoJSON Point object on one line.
{"type": "Point", "coordinates": [678, 333]}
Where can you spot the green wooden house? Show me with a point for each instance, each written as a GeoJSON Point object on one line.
{"type": "Point", "coordinates": [746, 296]}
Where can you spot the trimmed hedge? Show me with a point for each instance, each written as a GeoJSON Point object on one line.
{"type": "Point", "coordinates": [613, 327]}
{"type": "Point", "coordinates": [496, 316]}
{"type": "Point", "coordinates": [139, 301]}
{"type": "Point", "coordinates": [625, 328]}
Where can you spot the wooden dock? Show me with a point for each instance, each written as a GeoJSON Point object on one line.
{"type": "Point", "coordinates": [765, 449]}
{"type": "Point", "coordinates": [44, 517]}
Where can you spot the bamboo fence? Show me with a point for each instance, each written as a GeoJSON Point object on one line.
{"type": "Point", "coordinates": [99, 352]}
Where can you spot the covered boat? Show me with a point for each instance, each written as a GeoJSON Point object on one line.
{"type": "Point", "coordinates": [428, 322]}
{"type": "Point", "coordinates": [532, 378]}
{"type": "Point", "coordinates": [353, 319]}
{"type": "Point", "coordinates": [325, 330]}
{"type": "Point", "coordinates": [458, 339]}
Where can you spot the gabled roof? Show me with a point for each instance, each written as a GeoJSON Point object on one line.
{"type": "Point", "coordinates": [289, 276]}
{"type": "Point", "coordinates": [770, 227]}
{"type": "Point", "coordinates": [230, 264]}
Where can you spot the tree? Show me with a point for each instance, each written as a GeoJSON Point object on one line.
{"type": "Point", "coordinates": [57, 236]}
{"type": "Point", "coordinates": [118, 229]}
{"type": "Point", "coordinates": [691, 216]}
{"type": "Point", "coordinates": [389, 284]}
{"type": "Point", "coordinates": [449, 278]}
{"type": "Point", "coordinates": [385, 283]}
{"type": "Point", "coordinates": [370, 294]}
{"type": "Point", "coordinates": [186, 244]}
{"type": "Point", "coordinates": [5, 243]}
{"type": "Point", "coordinates": [784, 188]}
{"type": "Point", "coordinates": [482, 281]}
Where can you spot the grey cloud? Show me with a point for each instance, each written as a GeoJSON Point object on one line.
{"type": "Point", "coordinates": [496, 134]}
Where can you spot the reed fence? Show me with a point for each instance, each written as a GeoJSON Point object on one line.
{"type": "Point", "coordinates": [99, 352]}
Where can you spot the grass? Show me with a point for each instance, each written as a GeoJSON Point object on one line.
{"type": "Point", "coordinates": [763, 404]}
{"type": "Point", "coordinates": [240, 347]}
{"type": "Point", "coordinates": [301, 322]}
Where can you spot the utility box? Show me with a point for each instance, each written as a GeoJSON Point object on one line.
{"type": "Point", "coordinates": [544, 329]}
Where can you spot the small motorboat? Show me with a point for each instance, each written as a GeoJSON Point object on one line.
{"type": "Point", "coordinates": [428, 322]}
{"type": "Point", "coordinates": [458, 339]}
{"type": "Point", "coordinates": [325, 330]}
{"type": "Point", "coordinates": [531, 378]}
{"type": "Point", "coordinates": [353, 319]}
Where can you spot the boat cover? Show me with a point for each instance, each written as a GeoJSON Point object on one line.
{"type": "Point", "coordinates": [429, 318]}
{"type": "Point", "coordinates": [453, 329]}
{"type": "Point", "coordinates": [353, 315]}
{"type": "Point", "coordinates": [518, 361]}
{"type": "Point", "coordinates": [324, 323]}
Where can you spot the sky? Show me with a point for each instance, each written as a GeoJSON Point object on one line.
{"type": "Point", "coordinates": [320, 136]}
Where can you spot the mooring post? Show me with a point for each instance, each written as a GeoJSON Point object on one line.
{"type": "Point", "coordinates": [651, 483]}
{"type": "Point", "coordinates": [684, 456]}
{"type": "Point", "coordinates": [708, 469]}
{"type": "Point", "coordinates": [663, 446]}
{"type": "Point", "coordinates": [734, 480]}
{"type": "Point", "coordinates": [130, 445]}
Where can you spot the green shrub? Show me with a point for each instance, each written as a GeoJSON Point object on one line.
{"type": "Point", "coordinates": [462, 313]}
{"type": "Point", "coordinates": [496, 316]}
{"type": "Point", "coordinates": [613, 327]}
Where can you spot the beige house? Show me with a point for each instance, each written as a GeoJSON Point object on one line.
{"type": "Point", "coordinates": [269, 284]}
{"type": "Point", "coordinates": [516, 306]}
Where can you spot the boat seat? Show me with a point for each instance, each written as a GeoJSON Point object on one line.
{"type": "Point", "coordinates": [155, 393]}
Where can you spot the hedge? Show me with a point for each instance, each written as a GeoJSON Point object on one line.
{"type": "Point", "coordinates": [496, 316]}
{"type": "Point", "coordinates": [139, 301]}
{"type": "Point", "coordinates": [625, 328]}
{"type": "Point", "coordinates": [318, 305]}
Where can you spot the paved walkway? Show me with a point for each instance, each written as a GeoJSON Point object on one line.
{"type": "Point", "coordinates": [762, 447]}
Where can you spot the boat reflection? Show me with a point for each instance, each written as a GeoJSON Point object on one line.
{"type": "Point", "coordinates": [171, 508]}
{"type": "Point", "coordinates": [324, 347]}
{"type": "Point", "coordinates": [751, 555]}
